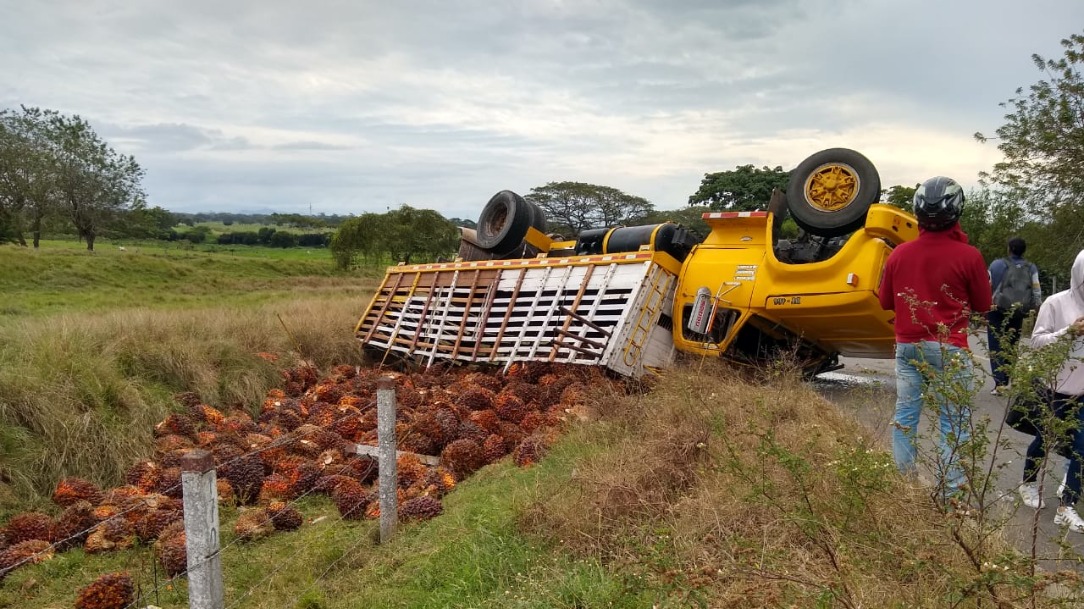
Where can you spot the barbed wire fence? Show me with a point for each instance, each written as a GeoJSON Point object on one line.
{"type": "Point", "coordinates": [205, 555]}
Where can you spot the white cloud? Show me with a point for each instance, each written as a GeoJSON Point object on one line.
{"type": "Point", "coordinates": [356, 106]}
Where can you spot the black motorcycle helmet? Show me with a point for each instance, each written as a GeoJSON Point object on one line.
{"type": "Point", "coordinates": [939, 202]}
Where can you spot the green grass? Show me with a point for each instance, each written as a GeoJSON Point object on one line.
{"type": "Point", "coordinates": [61, 277]}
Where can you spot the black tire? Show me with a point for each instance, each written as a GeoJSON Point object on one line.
{"type": "Point", "coordinates": [830, 192]}
{"type": "Point", "coordinates": [504, 222]}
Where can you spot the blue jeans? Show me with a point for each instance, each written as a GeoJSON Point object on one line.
{"type": "Point", "coordinates": [943, 375]}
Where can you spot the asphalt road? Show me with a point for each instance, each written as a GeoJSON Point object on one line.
{"type": "Point", "coordinates": [867, 389]}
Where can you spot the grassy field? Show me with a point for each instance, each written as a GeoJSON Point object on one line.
{"type": "Point", "coordinates": [709, 490]}
{"type": "Point", "coordinates": [63, 277]}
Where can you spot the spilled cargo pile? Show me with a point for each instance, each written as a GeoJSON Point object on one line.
{"type": "Point", "coordinates": [303, 441]}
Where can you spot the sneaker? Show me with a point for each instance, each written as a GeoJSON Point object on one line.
{"type": "Point", "coordinates": [1061, 487]}
{"type": "Point", "coordinates": [1067, 517]}
{"type": "Point", "coordinates": [1029, 494]}
{"type": "Point", "coordinates": [998, 390]}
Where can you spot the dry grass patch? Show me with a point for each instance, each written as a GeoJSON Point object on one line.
{"type": "Point", "coordinates": [731, 492]}
{"type": "Point", "coordinates": [80, 393]}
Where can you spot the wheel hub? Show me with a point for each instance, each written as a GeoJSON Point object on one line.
{"type": "Point", "coordinates": [832, 187]}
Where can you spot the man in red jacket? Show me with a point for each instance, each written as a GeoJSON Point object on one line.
{"type": "Point", "coordinates": [934, 284]}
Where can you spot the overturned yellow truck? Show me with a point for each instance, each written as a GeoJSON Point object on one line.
{"type": "Point", "coordinates": [629, 298]}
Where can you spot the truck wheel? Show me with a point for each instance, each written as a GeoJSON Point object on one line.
{"type": "Point", "coordinates": [504, 222]}
{"type": "Point", "coordinates": [830, 192]}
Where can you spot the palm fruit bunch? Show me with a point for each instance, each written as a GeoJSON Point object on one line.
{"type": "Point", "coordinates": [72, 490]}
{"type": "Point", "coordinates": [529, 451]}
{"type": "Point", "coordinates": [253, 524]}
{"type": "Point", "coordinates": [32, 551]}
{"type": "Point", "coordinates": [284, 516]}
{"type": "Point", "coordinates": [74, 525]}
{"type": "Point", "coordinates": [172, 552]}
{"type": "Point", "coordinates": [144, 475]}
{"type": "Point", "coordinates": [30, 526]}
{"type": "Point", "coordinates": [420, 508]}
{"type": "Point", "coordinates": [112, 534]}
{"type": "Point", "coordinates": [151, 524]}
{"type": "Point", "coordinates": [350, 499]}
{"type": "Point", "coordinates": [510, 407]}
{"type": "Point", "coordinates": [463, 457]}
{"type": "Point", "coordinates": [110, 591]}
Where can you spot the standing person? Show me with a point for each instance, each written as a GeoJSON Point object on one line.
{"type": "Point", "coordinates": [1016, 294]}
{"type": "Point", "coordinates": [1061, 318]}
{"type": "Point", "coordinates": [934, 284]}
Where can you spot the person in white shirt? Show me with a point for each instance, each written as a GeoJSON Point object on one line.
{"type": "Point", "coordinates": [1061, 318]}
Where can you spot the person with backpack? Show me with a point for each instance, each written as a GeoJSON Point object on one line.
{"type": "Point", "coordinates": [1015, 282]}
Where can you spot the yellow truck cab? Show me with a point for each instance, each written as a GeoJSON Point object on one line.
{"type": "Point", "coordinates": [735, 297]}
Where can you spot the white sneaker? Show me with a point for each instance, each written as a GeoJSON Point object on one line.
{"type": "Point", "coordinates": [1061, 487]}
{"type": "Point", "coordinates": [1067, 517]}
{"type": "Point", "coordinates": [1029, 494]}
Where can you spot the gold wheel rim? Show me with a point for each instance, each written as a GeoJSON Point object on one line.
{"type": "Point", "coordinates": [832, 187]}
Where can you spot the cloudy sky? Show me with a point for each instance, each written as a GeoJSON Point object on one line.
{"type": "Point", "coordinates": [244, 105]}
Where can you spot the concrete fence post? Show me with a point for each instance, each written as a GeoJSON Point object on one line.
{"type": "Point", "coordinates": [388, 481]}
{"type": "Point", "coordinates": [198, 481]}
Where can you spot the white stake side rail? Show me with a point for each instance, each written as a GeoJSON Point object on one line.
{"type": "Point", "coordinates": [611, 310]}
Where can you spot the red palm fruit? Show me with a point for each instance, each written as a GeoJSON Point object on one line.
{"type": "Point", "coordinates": [531, 422]}
{"type": "Point", "coordinates": [238, 422]}
{"type": "Point", "coordinates": [351, 499]}
{"type": "Point", "coordinates": [491, 382]}
{"type": "Point", "coordinates": [486, 419]}
{"type": "Point", "coordinates": [105, 512]}
{"type": "Point", "coordinates": [225, 492]}
{"type": "Point", "coordinates": [284, 516]}
{"type": "Point", "coordinates": [28, 552]}
{"type": "Point", "coordinates": [110, 591]}
{"type": "Point", "coordinates": [172, 553]}
{"type": "Point", "coordinates": [469, 431]}
{"type": "Point", "coordinates": [208, 414]}
{"type": "Point", "coordinates": [246, 477]}
{"type": "Point", "coordinates": [494, 448]}
{"type": "Point", "coordinates": [152, 523]}
{"type": "Point", "coordinates": [169, 483]}
{"type": "Point", "coordinates": [173, 458]}
{"type": "Point", "coordinates": [512, 434]}
{"type": "Point", "coordinates": [205, 439]}
{"type": "Point", "coordinates": [328, 392]}
{"type": "Point", "coordinates": [328, 484]}
{"type": "Point", "coordinates": [575, 394]}
{"type": "Point", "coordinates": [410, 470]}
{"type": "Point", "coordinates": [176, 424]}
{"type": "Point", "coordinates": [275, 486]}
{"type": "Point", "coordinates": [172, 442]}
{"type": "Point", "coordinates": [462, 457]}
{"type": "Point", "coordinates": [143, 475]}
{"type": "Point", "coordinates": [529, 451]}
{"type": "Point", "coordinates": [420, 508]}
{"type": "Point", "coordinates": [74, 525]}
{"type": "Point", "coordinates": [353, 401]}
{"type": "Point", "coordinates": [290, 419]}
{"type": "Point", "coordinates": [112, 534]}
{"type": "Point", "coordinates": [439, 482]}
{"type": "Point", "coordinates": [510, 408]}
{"type": "Point", "coordinates": [30, 526]}
{"type": "Point", "coordinates": [300, 477]}
{"type": "Point", "coordinates": [476, 398]}
{"type": "Point", "coordinates": [253, 524]}
{"type": "Point", "coordinates": [72, 490]}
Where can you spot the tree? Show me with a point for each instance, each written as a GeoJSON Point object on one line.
{"type": "Point", "coordinates": [901, 196]}
{"type": "Point", "coordinates": [744, 188]}
{"type": "Point", "coordinates": [406, 234]}
{"type": "Point", "coordinates": [576, 206]}
{"type": "Point", "coordinates": [1040, 183]}
{"type": "Point", "coordinates": [691, 218]}
{"type": "Point", "coordinates": [95, 183]}
{"type": "Point", "coordinates": [27, 173]}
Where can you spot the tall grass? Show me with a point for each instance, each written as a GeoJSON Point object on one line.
{"type": "Point", "coordinates": [80, 393]}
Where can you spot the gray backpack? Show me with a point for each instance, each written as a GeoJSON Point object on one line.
{"type": "Point", "coordinates": [1015, 287]}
